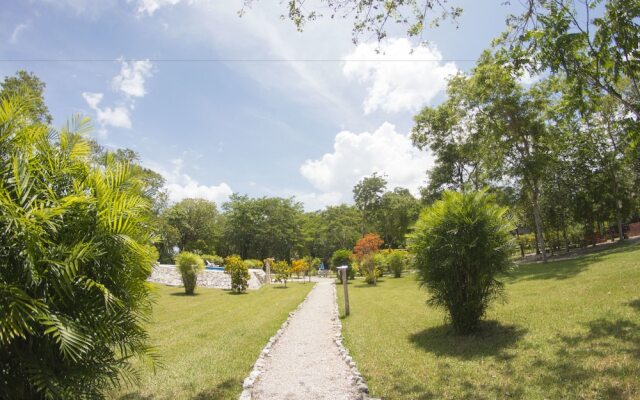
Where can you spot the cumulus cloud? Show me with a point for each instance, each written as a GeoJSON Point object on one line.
{"type": "Point", "coordinates": [356, 155]}
{"type": "Point", "coordinates": [131, 78]}
{"type": "Point", "coordinates": [129, 83]}
{"type": "Point", "coordinates": [117, 116]}
{"type": "Point", "coordinates": [181, 186]}
{"type": "Point", "coordinates": [399, 77]}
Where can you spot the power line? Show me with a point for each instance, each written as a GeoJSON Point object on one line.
{"type": "Point", "coordinates": [213, 60]}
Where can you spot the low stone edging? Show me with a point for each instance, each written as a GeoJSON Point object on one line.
{"type": "Point", "coordinates": [258, 366]}
{"type": "Point", "coordinates": [356, 376]}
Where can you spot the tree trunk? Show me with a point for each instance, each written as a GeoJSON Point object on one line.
{"type": "Point", "coordinates": [564, 233]}
{"type": "Point", "coordinates": [619, 218]}
{"type": "Point", "coordinates": [519, 242]}
{"type": "Point", "coordinates": [538, 220]}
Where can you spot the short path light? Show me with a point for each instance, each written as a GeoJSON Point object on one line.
{"type": "Point", "coordinates": [343, 270]}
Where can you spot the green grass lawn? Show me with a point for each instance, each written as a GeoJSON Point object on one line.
{"type": "Point", "coordinates": [569, 330]}
{"type": "Point", "coordinates": [208, 342]}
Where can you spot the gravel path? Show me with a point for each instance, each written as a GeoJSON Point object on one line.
{"type": "Point", "coordinates": [305, 362]}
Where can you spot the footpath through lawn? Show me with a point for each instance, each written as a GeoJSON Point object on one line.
{"type": "Point", "coordinates": [209, 342]}
{"type": "Point", "coordinates": [569, 329]}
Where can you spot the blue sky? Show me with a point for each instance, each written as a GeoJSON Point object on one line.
{"type": "Point", "coordinates": [276, 127]}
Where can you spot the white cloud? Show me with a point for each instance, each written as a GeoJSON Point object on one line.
{"type": "Point", "coordinates": [93, 99]}
{"type": "Point", "coordinates": [18, 31]}
{"type": "Point", "coordinates": [356, 155]}
{"type": "Point", "coordinates": [131, 78]}
{"type": "Point", "coordinates": [527, 79]}
{"type": "Point", "coordinates": [117, 116]}
{"type": "Point", "coordinates": [181, 186]}
{"type": "Point", "coordinates": [401, 77]}
{"type": "Point", "coordinates": [130, 83]}
{"type": "Point", "coordinates": [151, 6]}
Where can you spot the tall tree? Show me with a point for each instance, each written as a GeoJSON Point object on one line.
{"type": "Point", "coordinates": [197, 221]}
{"type": "Point", "coordinates": [263, 227]}
{"type": "Point", "coordinates": [506, 120]}
{"type": "Point", "coordinates": [593, 42]}
{"type": "Point", "coordinates": [27, 85]}
{"type": "Point", "coordinates": [367, 195]}
{"type": "Point", "coordinates": [399, 210]}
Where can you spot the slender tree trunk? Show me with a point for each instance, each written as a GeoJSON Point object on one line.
{"type": "Point", "coordinates": [619, 218]}
{"type": "Point", "coordinates": [538, 220]}
{"type": "Point", "coordinates": [519, 242]}
{"type": "Point", "coordinates": [564, 232]}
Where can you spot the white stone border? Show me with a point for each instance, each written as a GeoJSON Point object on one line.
{"type": "Point", "coordinates": [258, 366]}
{"type": "Point", "coordinates": [356, 376]}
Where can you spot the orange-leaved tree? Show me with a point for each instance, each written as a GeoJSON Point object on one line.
{"type": "Point", "coordinates": [300, 266]}
{"type": "Point", "coordinates": [364, 251]}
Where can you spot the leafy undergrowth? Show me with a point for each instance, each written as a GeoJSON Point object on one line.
{"type": "Point", "coordinates": [209, 342]}
{"type": "Point", "coordinates": [569, 329]}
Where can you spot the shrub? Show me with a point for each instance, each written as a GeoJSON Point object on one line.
{"type": "Point", "coordinates": [234, 266]}
{"type": "Point", "coordinates": [396, 261]}
{"type": "Point", "coordinates": [300, 266]}
{"type": "Point", "coordinates": [282, 271]}
{"type": "Point", "coordinates": [190, 265]}
{"type": "Point", "coordinates": [343, 257]}
{"type": "Point", "coordinates": [75, 253]}
{"type": "Point", "coordinates": [364, 251]}
{"type": "Point", "coordinates": [254, 264]}
{"type": "Point", "coordinates": [461, 244]}
{"type": "Point", "coordinates": [213, 259]}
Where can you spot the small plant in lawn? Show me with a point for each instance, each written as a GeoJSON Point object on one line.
{"type": "Point", "coordinates": [343, 257]}
{"type": "Point", "coordinates": [300, 266]}
{"type": "Point", "coordinates": [234, 266]}
{"type": "Point", "coordinates": [396, 261]}
{"type": "Point", "coordinates": [282, 271]}
{"type": "Point", "coordinates": [365, 250]}
{"type": "Point", "coordinates": [461, 244]}
{"type": "Point", "coordinates": [190, 265]}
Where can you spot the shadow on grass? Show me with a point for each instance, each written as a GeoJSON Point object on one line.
{"type": "Point", "coordinates": [635, 304]}
{"type": "Point", "coordinates": [603, 362]}
{"type": "Point", "coordinates": [136, 396]}
{"type": "Point", "coordinates": [232, 293]}
{"type": "Point", "coordinates": [183, 294]}
{"type": "Point", "coordinates": [363, 285]}
{"type": "Point", "coordinates": [564, 269]}
{"type": "Point", "coordinates": [491, 340]}
{"type": "Point", "coordinates": [225, 389]}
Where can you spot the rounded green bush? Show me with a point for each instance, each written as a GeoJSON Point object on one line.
{"type": "Point", "coordinates": [396, 260]}
{"type": "Point", "coordinates": [190, 265]}
{"type": "Point", "coordinates": [461, 245]}
{"type": "Point", "coordinates": [237, 268]}
{"type": "Point", "coordinates": [343, 257]}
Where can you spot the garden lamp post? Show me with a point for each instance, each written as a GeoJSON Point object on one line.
{"type": "Point", "coordinates": [343, 271]}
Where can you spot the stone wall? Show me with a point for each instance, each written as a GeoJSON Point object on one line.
{"type": "Point", "coordinates": [167, 274]}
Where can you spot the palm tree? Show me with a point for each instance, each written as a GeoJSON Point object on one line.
{"type": "Point", "coordinates": [75, 251]}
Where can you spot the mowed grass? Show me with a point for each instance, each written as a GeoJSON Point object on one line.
{"type": "Point", "coordinates": [209, 342]}
{"type": "Point", "coordinates": [569, 330]}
